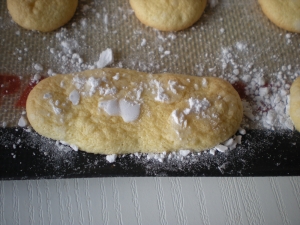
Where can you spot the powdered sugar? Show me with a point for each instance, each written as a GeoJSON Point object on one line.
{"type": "Point", "coordinates": [38, 67]}
{"type": "Point", "coordinates": [198, 105]}
{"type": "Point", "coordinates": [22, 121]}
{"type": "Point", "coordinates": [183, 154]}
{"type": "Point", "coordinates": [94, 84]}
{"type": "Point", "coordinates": [143, 43]}
{"type": "Point", "coordinates": [266, 96]}
{"type": "Point", "coordinates": [129, 111]}
{"type": "Point", "coordinates": [161, 96]}
{"type": "Point", "coordinates": [111, 158]}
{"type": "Point", "coordinates": [105, 59]}
{"type": "Point", "coordinates": [179, 118]}
{"type": "Point", "coordinates": [56, 109]}
{"type": "Point", "coordinates": [74, 97]}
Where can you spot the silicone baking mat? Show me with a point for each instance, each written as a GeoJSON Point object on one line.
{"type": "Point", "coordinates": [232, 40]}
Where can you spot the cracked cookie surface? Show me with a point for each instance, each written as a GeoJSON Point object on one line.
{"type": "Point", "coordinates": [118, 111]}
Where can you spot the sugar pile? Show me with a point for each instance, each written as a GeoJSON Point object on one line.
{"type": "Point", "coordinates": [68, 55]}
{"type": "Point", "coordinates": [265, 96]}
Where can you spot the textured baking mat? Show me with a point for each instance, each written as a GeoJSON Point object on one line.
{"type": "Point", "coordinates": [232, 40]}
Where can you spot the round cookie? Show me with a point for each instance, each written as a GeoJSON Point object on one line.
{"type": "Point", "coordinates": [41, 15]}
{"type": "Point", "coordinates": [168, 15]}
{"type": "Point", "coordinates": [295, 103]}
{"type": "Point", "coordinates": [283, 13]}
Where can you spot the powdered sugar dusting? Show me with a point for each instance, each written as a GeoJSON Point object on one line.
{"type": "Point", "coordinates": [197, 105]}
{"type": "Point", "coordinates": [161, 95]}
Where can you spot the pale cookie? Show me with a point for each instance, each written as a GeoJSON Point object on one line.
{"type": "Point", "coordinates": [41, 15]}
{"type": "Point", "coordinates": [117, 111]}
{"type": "Point", "coordinates": [168, 15]}
{"type": "Point", "coordinates": [283, 13]}
{"type": "Point", "coordinates": [295, 103]}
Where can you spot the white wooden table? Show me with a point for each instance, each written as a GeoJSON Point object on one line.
{"type": "Point", "coordinates": [259, 200]}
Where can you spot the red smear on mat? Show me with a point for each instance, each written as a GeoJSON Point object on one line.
{"type": "Point", "coordinates": [9, 84]}
{"type": "Point", "coordinates": [23, 98]}
{"type": "Point", "coordinates": [240, 88]}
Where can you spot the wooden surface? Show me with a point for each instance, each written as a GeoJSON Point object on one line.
{"type": "Point", "coordinates": [264, 200]}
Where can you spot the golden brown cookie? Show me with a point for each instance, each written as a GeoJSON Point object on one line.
{"type": "Point", "coordinates": [295, 103]}
{"type": "Point", "coordinates": [117, 111]}
{"type": "Point", "coordinates": [168, 15]}
{"type": "Point", "coordinates": [41, 15]}
{"type": "Point", "coordinates": [283, 13]}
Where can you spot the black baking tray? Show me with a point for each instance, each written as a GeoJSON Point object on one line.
{"type": "Point", "coordinates": [26, 155]}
